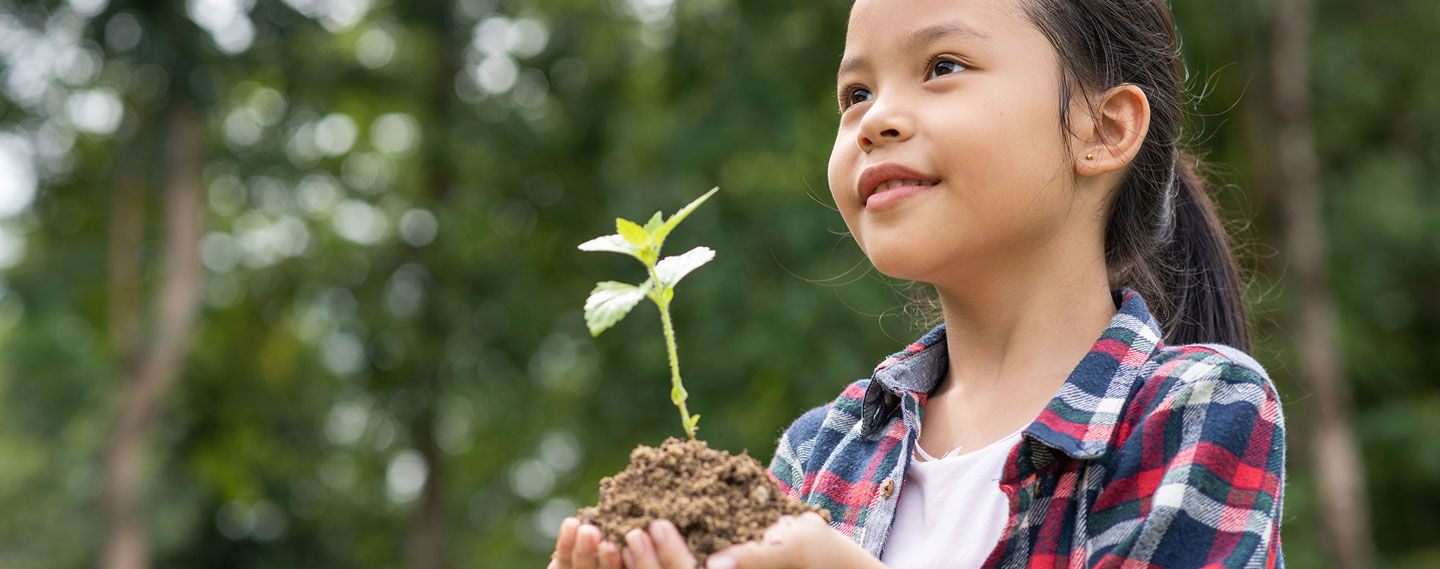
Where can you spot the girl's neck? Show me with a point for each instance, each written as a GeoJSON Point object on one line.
{"type": "Point", "coordinates": [1025, 330]}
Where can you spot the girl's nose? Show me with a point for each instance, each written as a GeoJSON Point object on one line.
{"type": "Point", "coordinates": [883, 124]}
{"type": "Point", "coordinates": [867, 145]}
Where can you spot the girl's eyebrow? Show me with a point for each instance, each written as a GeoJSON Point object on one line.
{"type": "Point", "coordinates": [920, 38]}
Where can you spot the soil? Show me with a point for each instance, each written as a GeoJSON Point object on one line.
{"type": "Point", "coordinates": [716, 499]}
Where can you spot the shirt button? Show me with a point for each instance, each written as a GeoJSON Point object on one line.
{"type": "Point", "coordinates": [887, 488]}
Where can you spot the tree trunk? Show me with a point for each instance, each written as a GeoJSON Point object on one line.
{"type": "Point", "coordinates": [1336, 452]}
{"type": "Point", "coordinates": [127, 228]}
{"type": "Point", "coordinates": [425, 544]}
{"type": "Point", "coordinates": [148, 376]}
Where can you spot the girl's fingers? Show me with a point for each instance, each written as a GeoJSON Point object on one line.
{"type": "Point", "coordinates": [759, 554]}
{"type": "Point", "coordinates": [777, 531]}
{"type": "Point", "coordinates": [640, 551]}
{"type": "Point", "coordinates": [564, 544]}
{"type": "Point", "coordinates": [790, 542]}
{"type": "Point", "coordinates": [609, 556]}
{"type": "Point", "coordinates": [670, 547]}
{"type": "Point", "coordinates": [752, 555]}
{"type": "Point", "coordinates": [587, 547]}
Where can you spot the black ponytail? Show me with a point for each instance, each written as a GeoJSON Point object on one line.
{"type": "Point", "coordinates": [1191, 275]}
{"type": "Point", "coordinates": [1163, 237]}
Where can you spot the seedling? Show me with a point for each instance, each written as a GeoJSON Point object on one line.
{"type": "Point", "coordinates": [611, 301]}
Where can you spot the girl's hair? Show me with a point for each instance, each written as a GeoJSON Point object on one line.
{"type": "Point", "coordinates": [1163, 237]}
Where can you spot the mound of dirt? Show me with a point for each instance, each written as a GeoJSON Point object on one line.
{"type": "Point", "coordinates": [716, 499]}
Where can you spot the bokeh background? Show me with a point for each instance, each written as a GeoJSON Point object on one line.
{"type": "Point", "coordinates": [293, 283]}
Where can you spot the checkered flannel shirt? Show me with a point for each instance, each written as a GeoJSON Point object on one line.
{"type": "Point", "coordinates": [1148, 456]}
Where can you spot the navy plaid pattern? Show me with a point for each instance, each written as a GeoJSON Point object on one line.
{"type": "Point", "coordinates": [1149, 456]}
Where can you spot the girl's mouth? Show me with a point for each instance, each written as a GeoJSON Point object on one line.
{"type": "Point", "coordinates": [893, 191]}
{"type": "Point", "coordinates": [888, 182]}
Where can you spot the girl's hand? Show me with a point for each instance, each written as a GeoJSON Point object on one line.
{"type": "Point", "coordinates": [803, 542]}
{"type": "Point", "coordinates": [660, 548]}
{"type": "Point", "coordinates": [581, 547]}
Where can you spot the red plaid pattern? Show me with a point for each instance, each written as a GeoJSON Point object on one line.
{"type": "Point", "coordinates": [1148, 456]}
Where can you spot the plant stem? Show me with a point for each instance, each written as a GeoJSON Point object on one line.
{"type": "Point", "coordinates": [677, 390]}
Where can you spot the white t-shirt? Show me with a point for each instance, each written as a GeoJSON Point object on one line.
{"type": "Point", "coordinates": [951, 510]}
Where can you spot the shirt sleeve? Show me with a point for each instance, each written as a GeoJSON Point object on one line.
{"type": "Point", "coordinates": [1207, 487]}
{"type": "Point", "coordinates": [788, 465]}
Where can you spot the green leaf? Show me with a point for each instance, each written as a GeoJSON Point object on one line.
{"type": "Point", "coordinates": [633, 233]}
{"type": "Point", "coordinates": [680, 216]}
{"type": "Point", "coordinates": [611, 244]}
{"type": "Point", "coordinates": [655, 222]}
{"type": "Point", "coordinates": [609, 303]}
{"type": "Point", "coordinates": [694, 420]}
{"type": "Point", "coordinates": [671, 269]}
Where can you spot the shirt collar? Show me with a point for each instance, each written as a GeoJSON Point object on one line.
{"type": "Point", "coordinates": [1080, 420]}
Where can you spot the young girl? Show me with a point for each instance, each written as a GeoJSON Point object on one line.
{"type": "Point", "coordinates": [1010, 436]}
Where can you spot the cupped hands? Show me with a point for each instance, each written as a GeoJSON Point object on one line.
{"type": "Point", "coordinates": [794, 542]}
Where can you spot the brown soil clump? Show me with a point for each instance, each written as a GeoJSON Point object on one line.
{"type": "Point", "coordinates": [716, 499]}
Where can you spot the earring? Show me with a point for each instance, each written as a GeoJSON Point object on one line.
{"type": "Point", "coordinates": [1089, 156]}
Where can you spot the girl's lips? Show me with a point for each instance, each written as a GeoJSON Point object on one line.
{"type": "Point", "coordinates": [887, 198]}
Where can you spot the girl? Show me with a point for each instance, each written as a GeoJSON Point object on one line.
{"type": "Point", "coordinates": [1010, 436]}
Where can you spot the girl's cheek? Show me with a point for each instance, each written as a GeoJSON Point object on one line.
{"type": "Point", "coordinates": [840, 184]}
{"type": "Point", "coordinates": [839, 172]}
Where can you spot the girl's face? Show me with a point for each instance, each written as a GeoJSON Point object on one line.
{"type": "Point", "coordinates": [961, 96]}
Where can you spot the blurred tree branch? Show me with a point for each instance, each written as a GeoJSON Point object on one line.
{"type": "Point", "coordinates": [127, 227]}
{"type": "Point", "coordinates": [151, 371]}
{"type": "Point", "coordinates": [425, 544]}
{"type": "Point", "coordinates": [1337, 454]}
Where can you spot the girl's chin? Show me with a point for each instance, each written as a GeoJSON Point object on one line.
{"type": "Point", "coordinates": [902, 264]}
{"type": "Point", "coordinates": [920, 259]}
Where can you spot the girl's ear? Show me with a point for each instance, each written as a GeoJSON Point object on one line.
{"type": "Point", "coordinates": [1111, 135]}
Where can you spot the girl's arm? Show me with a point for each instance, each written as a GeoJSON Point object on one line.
{"type": "Point", "coordinates": [803, 542]}
{"type": "Point", "coordinates": [1209, 485]}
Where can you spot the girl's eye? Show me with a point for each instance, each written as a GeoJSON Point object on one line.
{"type": "Point", "coordinates": [853, 96]}
{"type": "Point", "coordinates": [944, 67]}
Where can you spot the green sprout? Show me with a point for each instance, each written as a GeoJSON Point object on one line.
{"type": "Point", "coordinates": [611, 301]}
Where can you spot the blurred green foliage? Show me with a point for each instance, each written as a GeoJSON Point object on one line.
{"type": "Point", "coordinates": [394, 192]}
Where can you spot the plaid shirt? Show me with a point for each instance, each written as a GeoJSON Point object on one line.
{"type": "Point", "coordinates": [1148, 456]}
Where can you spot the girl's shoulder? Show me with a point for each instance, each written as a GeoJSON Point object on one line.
{"type": "Point", "coordinates": [1185, 366]}
{"type": "Point", "coordinates": [1203, 388]}
{"type": "Point", "coordinates": [1227, 358]}
{"type": "Point", "coordinates": [1201, 384]}
{"type": "Point", "coordinates": [836, 416]}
